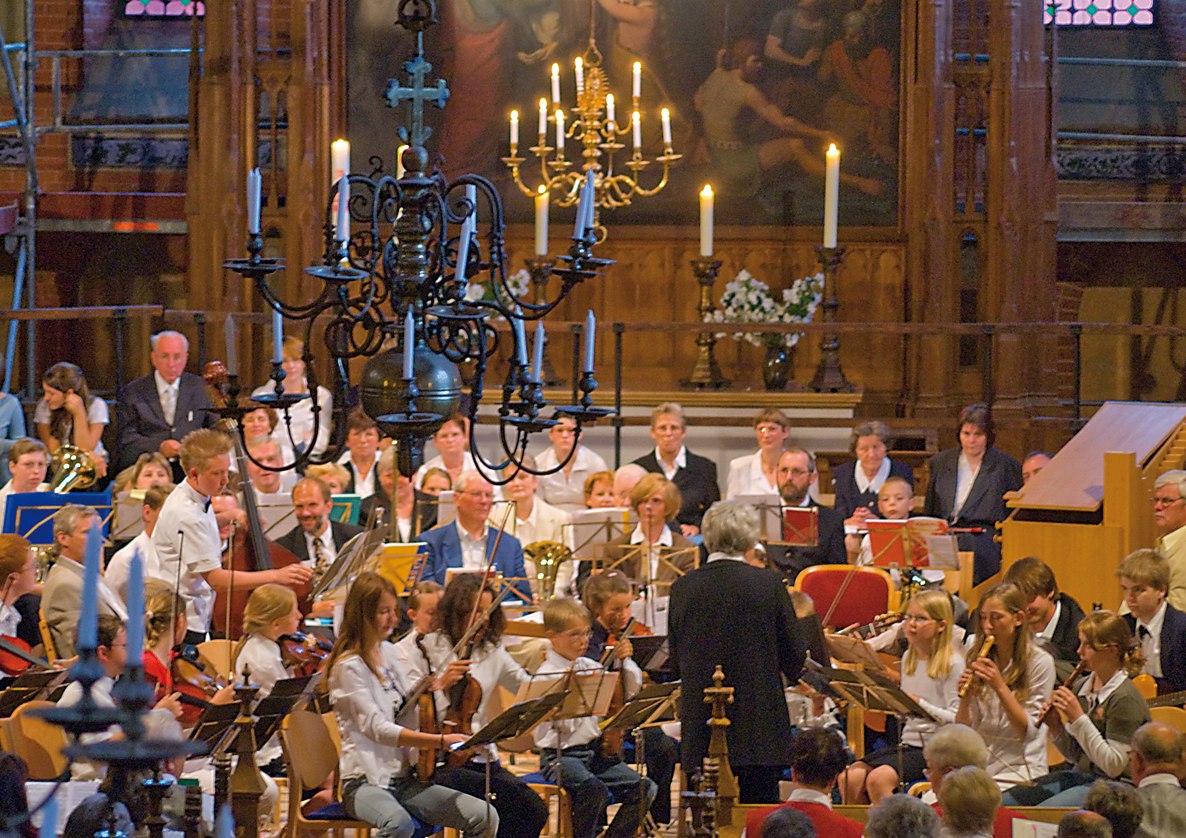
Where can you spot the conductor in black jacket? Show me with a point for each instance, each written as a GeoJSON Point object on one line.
{"type": "Point", "coordinates": [730, 614]}
{"type": "Point", "coordinates": [693, 475]}
{"type": "Point", "coordinates": [796, 476]}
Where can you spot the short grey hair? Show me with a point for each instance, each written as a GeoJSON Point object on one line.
{"type": "Point", "coordinates": [874, 427]}
{"type": "Point", "coordinates": [67, 518]}
{"type": "Point", "coordinates": [954, 746]}
{"type": "Point", "coordinates": [1119, 803]}
{"type": "Point", "coordinates": [461, 484]}
{"type": "Point", "coordinates": [969, 799]}
{"type": "Point", "coordinates": [787, 822]}
{"type": "Point", "coordinates": [674, 409]}
{"type": "Point", "coordinates": [168, 333]}
{"type": "Point", "coordinates": [730, 527]}
{"type": "Point", "coordinates": [1084, 824]}
{"type": "Point", "coordinates": [902, 816]}
{"type": "Point", "coordinates": [1175, 477]}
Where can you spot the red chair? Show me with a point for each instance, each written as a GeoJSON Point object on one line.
{"type": "Point", "coordinates": [866, 594]}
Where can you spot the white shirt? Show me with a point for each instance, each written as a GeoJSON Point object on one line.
{"type": "Point", "coordinates": [10, 619]}
{"type": "Point", "coordinates": [746, 477]}
{"type": "Point", "coordinates": [368, 722]}
{"type": "Point", "coordinates": [570, 733]}
{"type": "Point", "coordinates": [301, 414]}
{"type": "Point", "coordinates": [802, 795]}
{"type": "Point", "coordinates": [567, 491]}
{"type": "Point", "coordinates": [665, 540]}
{"type": "Point", "coordinates": [187, 548]}
{"type": "Point", "coordinates": [96, 414]}
{"type": "Point", "coordinates": [101, 693]}
{"type": "Point", "coordinates": [1151, 642]}
{"type": "Point", "coordinates": [327, 546]}
{"type": "Point", "coordinates": [1160, 780]}
{"type": "Point", "coordinates": [261, 657]}
{"type": "Point", "coordinates": [473, 550]}
{"type": "Point", "coordinates": [364, 484]}
{"type": "Point", "coordinates": [1048, 632]}
{"type": "Point", "coordinates": [121, 564]}
{"type": "Point", "coordinates": [864, 484]}
{"type": "Point", "coordinates": [681, 461]}
{"type": "Point", "coordinates": [1108, 755]}
{"type": "Point", "coordinates": [965, 476]}
{"type": "Point", "coordinates": [163, 387]}
{"type": "Point", "coordinates": [938, 696]}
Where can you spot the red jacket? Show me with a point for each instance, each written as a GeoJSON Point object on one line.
{"type": "Point", "coordinates": [825, 820]}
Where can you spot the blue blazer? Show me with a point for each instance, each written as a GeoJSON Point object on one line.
{"type": "Point", "coordinates": [849, 498]}
{"type": "Point", "coordinates": [1173, 649]}
{"type": "Point", "coordinates": [444, 551]}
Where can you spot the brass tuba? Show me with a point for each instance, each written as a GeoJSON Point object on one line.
{"type": "Point", "coordinates": [73, 469]}
{"type": "Point", "coordinates": [547, 556]}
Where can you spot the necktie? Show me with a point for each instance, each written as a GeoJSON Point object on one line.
{"type": "Point", "coordinates": [320, 559]}
{"type": "Point", "coordinates": [1142, 633]}
{"type": "Point", "coordinates": [169, 404]}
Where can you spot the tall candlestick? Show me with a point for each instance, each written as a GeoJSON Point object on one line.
{"type": "Point", "coordinates": [583, 206]}
{"type": "Point", "coordinates": [665, 115]}
{"type": "Point", "coordinates": [636, 118]}
{"type": "Point", "coordinates": [636, 86]}
{"type": "Point", "coordinates": [514, 131]}
{"type": "Point", "coordinates": [543, 121]}
{"type": "Point", "coordinates": [590, 336]}
{"type": "Point", "coordinates": [254, 190]}
{"type": "Point", "coordinates": [136, 610]}
{"type": "Point", "coordinates": [579, 66]}
{"type": "Point", "coordinates": [277, 337]}
{"type": "Point", "coordinates": [611, 113]}
{"type": "Point", "coordinates": [555, 84]}
{"type": "Point", "coordinates": [541, 221]}
{"type": "Point", "coordinates": [339, 155]}
{"type": "Point", "coordinates": [468, 225]}
{"type": "Point", "coordinates": [831, 195]}
{"type": "Point", "coordinates": [342, 227]}
{"type": "Point", "coordinates": [409, 344]}
{"type": "Point", "coordinates": [537, 357]}
{"type": "Point", "coordinates": [591, 204]}
{"type": "Point", "coordinates": [560, 132]}
{"type": "Point", "coordinates": [232, 356]}
{"type": "Point", "coordinates": [706, 202]}
{"type": "Point", "coordinates": [520, 337]}
{"type": "Point", "coordinates": [400, 171]}
{"type": "Point", "coordinates": [88, 614]}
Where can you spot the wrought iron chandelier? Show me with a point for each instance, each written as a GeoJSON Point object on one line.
{"type": "Point", "coordinates": [400, 252]}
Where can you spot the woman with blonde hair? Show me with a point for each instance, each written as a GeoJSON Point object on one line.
{"type": "Point", "coordinates": [301, 414]}
{"type": "Point", "coordinates": [1093, 720]}
{"type": "Point", "coordinates": [931, 670]}
{"type": "Point", "coordinates": [1005, 687]}
{"type": "Point", "coordinates": [331, 474]}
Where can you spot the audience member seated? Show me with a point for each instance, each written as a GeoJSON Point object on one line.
{"type": "Point", "coordinates": [18, 579]}
{"type": "Point", "coordinates": [903, 816]}
{"type": "Point", "coordinates": [148, 470]}
{"type": "Point", "coordinates": [1034, 462]}
{"type": "Point", "coordinates": [565, 488]}
{"type": "Point", "coordinates": [414, 511]}
{"type": "Point", "coordinates": [693, 475]}
{"type": "Point", "coordinates": [858, 483]}
{"type": "Point", "coordinates": [317, 538]}
{"type": "Point", "coordinates": [1159, 627]}
{"type": "Point", "coordinates": [69, 415]}
{"type": "Point", "coordinates": [453, 454]}
{"type": "Point", "coordinates": [28, 461]}
{"type": "Point", "coordinates": [467, 542]}
{"type": "Point", "coordinates": [787, 823]}
{"type": "Point", "coordinates": [895, 502]}
{"type": "Point", "coordinates": [1119, 803]}
{"type": "Point", "coordinates": [532, 519]}
{"type": "Point", "coordinates": [435, 481]}
{"type": "Point", "coordinates": [817, 758]}
{"type": "Point", "coordinates": [1053, 616]}
{"type": "Point", "coordinates": [260, 425]}
{"type": "Point", "coordinates": [625, 479]}
{"type": "Point", "coordinates": [952, 747]}
{"type": "Point", "coordinates": [120, 564]}
{"type": "Point", "coordinates": [598, 491]}
{"type": "Point", "coordinates": [266, 452]}
{"type": "Point", "coordinates": [61, 600]}
{"type": "Point", "coordinates": [333, 475]}
{"type": "Point", "coordinates": [1169, 514]}
{"type": "Point", "coordinates": [1156, 756]}
{"type": "Point", "coordinates": [300, 415]}
{"type": "Point", "coordinates": [156, 411]}
{"type": "Point", "coordinates": [1084, 824]}
{"type": "Point", "coordinates": [796, 476]}
{"type": "Point", "coordinates": [12, 428]}
{"type": "Point", "coordinates": [967, 486]}
{"type": "Point", "coordinates": [362, 447]}
{"type": "Point", "coordinates": [757, 473]}
{"type": "Point", "coordinates": [970, 800]}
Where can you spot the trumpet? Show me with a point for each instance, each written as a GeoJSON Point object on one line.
{"type": "Point", "coordinates": [985, 648]}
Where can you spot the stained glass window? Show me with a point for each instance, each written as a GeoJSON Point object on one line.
{"type": "Point", "coordinates": [1099, 12]}
{"type": "Point", "coordinates": [163, 8]}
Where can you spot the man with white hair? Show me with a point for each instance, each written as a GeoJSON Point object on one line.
{"type": "Point", "coordinates": [1169, 514]}
{"type": "Point", "coordinates": [469, 541]}
{"type": "Point", "coordinates": [1156, 759]}
{"type": "Point", "coordinates": [957, 746]}
{"type": "Point", "coordinates": [625, 479]}
{"type": "Point", "coordinates": [155, 412]}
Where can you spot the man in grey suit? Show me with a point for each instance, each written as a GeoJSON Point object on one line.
{"type": "Point", "coordinates": [1156, 758]}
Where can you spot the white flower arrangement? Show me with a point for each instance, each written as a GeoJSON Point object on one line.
{"type": "Point", "coordinates": [519, 282]}
{"type": "Point", "coordinates": [748, 300]}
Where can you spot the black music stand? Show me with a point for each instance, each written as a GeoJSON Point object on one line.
{"type": "Point", "coordinates": [28, 687]}
{"type": "Point", "coordinates": [653, 705]}
{"type": "Point", "coordinates": [285, 696]}
{"type": "Point", "coordinates": [215, 727]}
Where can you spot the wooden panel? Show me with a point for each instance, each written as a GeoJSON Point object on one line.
{"type": "Point", "coordinates": [1083, 557]}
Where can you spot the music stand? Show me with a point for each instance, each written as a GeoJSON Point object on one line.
{"type": "Point", "coordinates": [30, 514]}
{"type": "Point", "coordinates": [128, 519]}
{"type": "Point", "coordinates": [912, 542]}
{"type": "Point", "coordinates": [28, 687]}
{"type": "Point", "coordinates": [346, 509]}
{"type": "Point", "coordinates": [514, 721]}
{"type": "Point", "coordinates": [350, 561]}
{"type": "Point", "coordinates": [800, 526]}
{"type": "Point", "coordinates": [276, 513]}
{"type": "Point", "coordinates": [651, 652]}
{"type": "Point", "coordinates": [769, 506]}
{"type": "Point", "coordinates": [585, 693]}
{"type": "Point", "coordinates": [285, 696]}
{"type": "Point", "coordinates": [216, 726]}
{"type": "Point", "coordinates": [650, 707]}
{"type": "Point", "coordinates": [588, 529]}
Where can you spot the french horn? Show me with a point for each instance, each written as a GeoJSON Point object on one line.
{"type": "Point", "coordinates": [73, 469]}
{"type": "Point", "coordinates": [547, 556]}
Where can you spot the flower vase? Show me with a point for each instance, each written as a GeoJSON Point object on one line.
{"type": "Point", "coordinates": [776, 367]}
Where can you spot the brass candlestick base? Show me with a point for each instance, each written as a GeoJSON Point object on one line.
{"type": "Point", "coordinates": [829, 377]}
{"type": "Point", "coordinates": [706, 375]}
{"type": "Point", "coordinates": [540, 268]}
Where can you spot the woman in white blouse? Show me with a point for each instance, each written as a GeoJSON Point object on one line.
{"type": "Point", "coordinates": [68, 414]}
{"type": "Point", "coordinates": [301, 413]}
{"type": "Point", "coordinates": [757, 473]}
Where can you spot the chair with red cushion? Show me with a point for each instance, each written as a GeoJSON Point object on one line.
{"type": "Point", "coordinates": [866, 594]}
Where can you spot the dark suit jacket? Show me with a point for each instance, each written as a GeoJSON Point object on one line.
{"type": "Point", "coordinates": [294, 539]}
{"type": "Point", "coordinates": [740, 617]}
{"type": "Point", "coordinates": [985, 506]}
{"type": "Point", "coordinates": [830, 550]}
{"type": "Point", "coordinates": [697, 484]}
{"type": "Point", "coordinates": [1173, 649]}
{"type": "Point", "coordinates": [424, 511]}
{"type": "Point", "coordinates": [849, 498]}
{"type": "Point", "coordinates": [141, 421]}
{"type": "Point", "coordinates": [1066, 634]}
{"type": "Point", "coordinates": [444, 551]}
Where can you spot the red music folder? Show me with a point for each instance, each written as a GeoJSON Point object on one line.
{"type": "Point", "coordinates": [800, 526]}
{"type": "Point", "coordinates": [912, 542]}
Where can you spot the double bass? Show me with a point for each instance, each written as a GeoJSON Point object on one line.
{"type": "Point", "coordinates": [250, 549]}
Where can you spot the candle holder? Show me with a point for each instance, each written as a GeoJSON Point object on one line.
{"type": "Point", "coordinates": [829, 377]}
{"type": "Point", "coordinates": [540, 268]}
{"type": "Point", "coordinates": [706, 375]}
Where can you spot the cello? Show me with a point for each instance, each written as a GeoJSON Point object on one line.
{"type": "Point", "coordinates": [250, 549]}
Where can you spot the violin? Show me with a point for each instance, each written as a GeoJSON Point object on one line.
{"type": "Point", "coordinates": [303, 654]}
{"type": "Point", "coordinates": [16, 657]}
{"type": "Point", "coordinates": [426, 764]}
{"type": "Point", "coordinates": [195, 681]}
{"type": "Point", "coordinates": [612, 741]}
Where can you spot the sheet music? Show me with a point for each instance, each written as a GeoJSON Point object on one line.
{"type": "Point", "coordinates": [69, 796]}
{"type": "Point", "coordinates": [128, 518]}
{"type": "Point", "coordinates": [276, 514]}
{"type": "Point", "coordinates": [590, 529]}
{"type": "Point", "coordinates": [769, 508]}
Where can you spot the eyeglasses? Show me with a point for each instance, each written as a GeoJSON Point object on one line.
{"type": "Point", "coordinates": [1160, 501]}
{"type": "Point", "coordinates": [916, 619]}
{"type": "Point", "coordinates": [798, 472]}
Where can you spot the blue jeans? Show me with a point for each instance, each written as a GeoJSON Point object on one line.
{"type": "Point", "coordinates": [391, 809]}
{"type": "Point", "coordinates": [590, 779]}
{"type": "Point", "coordinates": [1059, 788]}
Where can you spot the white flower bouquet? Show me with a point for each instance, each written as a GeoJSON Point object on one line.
{"type": "Point", "coordinates": [749, 300]}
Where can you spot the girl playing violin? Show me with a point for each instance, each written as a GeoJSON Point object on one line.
{"type": "Point", "coordinates": [378, 726]}
{"type": "Point", "coordinates": [1003, 690]}
{"type": "Point", "coordinates": [1092, 722]}
{"type": "Point", "coordinates": [477, 670]}
{"type": "Point", "coordinates": [931, 670]}
{"type": "Point", "coordinates": [164, 627]}
{"type": "Point", "coordinates": [18, 576]}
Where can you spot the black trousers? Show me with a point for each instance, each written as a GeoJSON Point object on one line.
{"type": "Point", "coordinates": [758, 783]}
{"type": "Point", "coordinates": [521, 812]}
{"type": "Point", "coordinates": [662, 755]}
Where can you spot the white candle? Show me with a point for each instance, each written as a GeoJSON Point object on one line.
{"type": "Point", "coordinates": [339, 155]}
{"type": "Point", "coordinates": [831, 195]}
{"type": "Point", "coordinates": [543, 120]}
{"type": "Point", "coordinates": [514, 131]}
{"type": "Point", "coordinates": [88, 614]}
{"type": "Point", "coordinates": [520, 337]}
{"type": "Point", "coordinates": [556, 84]}
{"type": "Point", "coordinates": [706, 201]}
{"type": "Point", "coordinates": [468, 225]}
{"type": "Point", "coordinates": [537, 358]}
{"type": "Point", "coordinates": [636, 87]}
{"type": "Point", "coordinates": [665, 115]}
{"type": "Point", "coordinates": [232, 359]}
{"type": "Point", "coordinates": [579, 66]}
{"type": "Point", "coordinates": [586, 199]}
{"type": "Point", "coordinates": [136, 610]}
{"type": "Point", "coordinates": [254, 188]}
{"type": "Point", "coordinates": [560, 132]}
{"type": "Point", "coordinates": [400, 171]}
{"type": "Point", "coordinates": [342, 226]}
{"type": "Point", "coordinates": [591, 204]}
{"type": "Point", "coordinates": [49, 819]}
{"type": "Point", "coordinates": [590, 335]}
{"type": "Point", "coordinates": [541, 221]}
{"type": "Point", "coordinates": [277, 337]}
{"type": "Point", "coordinates": [637, 120]}
{"type": "Point", "coordinates": [409, 344]}
{"type": "Point", "coordinates": [611, 113]}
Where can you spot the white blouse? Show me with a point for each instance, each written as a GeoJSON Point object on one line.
{"type": "Point", "coordinates": [938, 696]}
{"type": "Point", "coordinates": [262, 658]}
